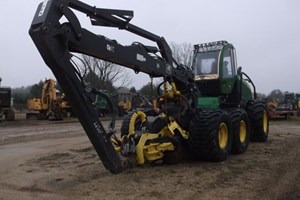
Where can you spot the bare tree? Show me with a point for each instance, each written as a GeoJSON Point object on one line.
{"type": "Point", "coordinates": [182, 53]}
{"type": "Point", "coordinates": [104, 75]}
{"type": "Point", "coordinates": [276, 95]}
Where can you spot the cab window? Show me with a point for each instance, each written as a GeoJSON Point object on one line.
{"type": "Point", "coordinates": [228, 63]}
{"type": "Point", "coordinates": [206, 63]}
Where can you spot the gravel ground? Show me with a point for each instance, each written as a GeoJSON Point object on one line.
{"type": "Point", "coordinates": [55, 160]}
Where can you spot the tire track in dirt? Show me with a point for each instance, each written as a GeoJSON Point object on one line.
{"type": "Point", "coordinates": [70, 169]}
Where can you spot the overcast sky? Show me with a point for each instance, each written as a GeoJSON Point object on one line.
{"type": "Point", "coordinates": [266, 35]}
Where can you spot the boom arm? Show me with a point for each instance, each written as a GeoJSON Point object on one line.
{"type": "Point", "coordinates": [56, 41]}
{"type": "Point", "coordinates": [136, 56]}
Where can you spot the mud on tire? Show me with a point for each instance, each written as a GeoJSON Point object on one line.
{"type": "Point", "coordinates": [259, 119]}
{"type": "Point", "coordinates": [241, 130]}
{"type": "Point", "coordinates": [206, 140]}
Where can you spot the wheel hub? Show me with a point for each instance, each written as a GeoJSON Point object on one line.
{"type": "Point", "coordinates": [243, 131]}
{"type": "Point", "coordinates": [265, 122]}
{"type": "Point", "coordinates": [223, 135]}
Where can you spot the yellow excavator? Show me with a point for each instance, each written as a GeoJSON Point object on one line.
{"type": "Point", "coordinates": [51, 105]}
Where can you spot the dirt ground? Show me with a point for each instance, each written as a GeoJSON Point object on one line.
{"type": "Point", "coordinates": [55, 160]}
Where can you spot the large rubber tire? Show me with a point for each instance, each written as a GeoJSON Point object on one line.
{"type": "Point", "coordinates": [259, 118]}
{"type": "Point", "coordinates": [174, 157]}
{"type": "Point", "coordinates": [241, 130]}
{"type": "Point", "coordinates": [10, 115]}
{"type": "Point", "coordinates": [210, 135]}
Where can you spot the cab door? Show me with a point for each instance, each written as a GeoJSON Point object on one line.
{"type": "Point", "coordinates": [228, 70]}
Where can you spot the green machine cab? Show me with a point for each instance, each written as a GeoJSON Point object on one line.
{"type": "Point", "coordinates": [219, 79]}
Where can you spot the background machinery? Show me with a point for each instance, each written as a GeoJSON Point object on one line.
{"type": "Point", "coordinates": [207, 110]}
{"type": "Point", "coordinates": [100, 103]}
{"type": "Point", "coordinates": [51, 105]}
{"type": "Point", "coordinates": [128, 101]}
{"type": "Point", "coordinates": [288, 107]}
{"type": "Point", "coordinates": [124, 101]}
{"type": "Point", "coordinates": [5, 103]}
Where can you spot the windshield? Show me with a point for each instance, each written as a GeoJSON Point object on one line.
{"type": "Point", "coordinates": [206, 63]}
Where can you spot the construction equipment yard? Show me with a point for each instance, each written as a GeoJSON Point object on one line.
{"type": "Point", "coordinates": [55, 160]}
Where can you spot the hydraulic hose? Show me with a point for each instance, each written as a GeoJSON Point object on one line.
{"type": "Point", "coordinates": [137, 114]}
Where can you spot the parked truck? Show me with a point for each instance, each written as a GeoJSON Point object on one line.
{"type": "Point", "coordinates": [6, 109]}
{"type": "Point", "coordinates": [287, 108]}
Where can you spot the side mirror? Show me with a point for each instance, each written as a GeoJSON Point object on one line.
{"type": "Point", "coordinates": [239, 71]}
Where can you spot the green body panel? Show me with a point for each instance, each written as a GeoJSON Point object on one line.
{"type": "Point", "coordinates": [227, 85]}
{"type": "Point", "coordinates": [247, 93]}
{"type": "Point", "coordinates": [100, 102]}
{"type": "Point", "coordinates": [208, 102]}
